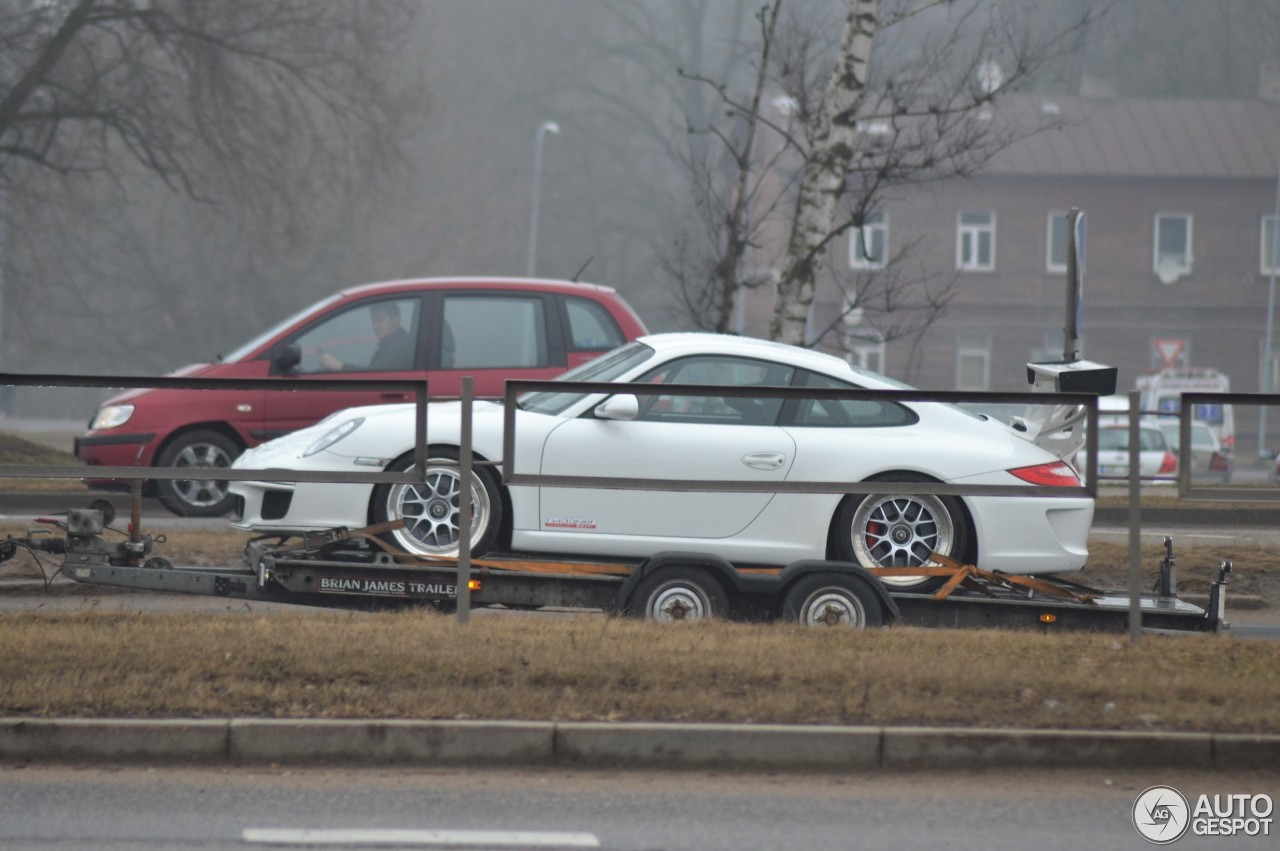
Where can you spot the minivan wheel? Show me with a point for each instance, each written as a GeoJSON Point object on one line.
{"type": "Point", "coordinates": [431, 509]}
{"type": "Point", "coordinates": [197, 497]}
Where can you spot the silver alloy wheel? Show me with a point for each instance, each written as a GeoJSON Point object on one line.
{"type": "Point", "coordinates": [901, 530]}
{"type": "Point", "coordinates": [431, 512]}
{"type": "Point", "coordinates": [678, 603]}
{"type": "Point", "coordinates": [833, 606]}
{"type": "Point", "coordinates": [201, 493]}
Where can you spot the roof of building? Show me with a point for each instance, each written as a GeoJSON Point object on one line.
{"type": "Point", "coordinates": [1141, 137]}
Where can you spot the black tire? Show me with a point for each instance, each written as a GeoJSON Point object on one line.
{"type": "Point", "coordinates": [827, 599]}
{"type": "Point", "coordinates": [900, 530]}
{"type": "Point", "coordinates": [678, 595]}
{"type": "Point", "coordinates": [430, 509]}
{"type": "Point", "coordinates": [195, 497]}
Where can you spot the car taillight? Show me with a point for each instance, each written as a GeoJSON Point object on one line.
{"type": "Point", "coordinates": [1218, 462]}
{"type": "Point", "coordinates": [1169, 465]}
{"type": "Point", "coordinates": [1053, 474]}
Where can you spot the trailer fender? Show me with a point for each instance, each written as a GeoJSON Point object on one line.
{"type": "Point", "coordinates": [799, 569]}
{"type": "Point", "coordinates": [720, 569]}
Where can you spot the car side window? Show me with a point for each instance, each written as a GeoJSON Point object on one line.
{"type": "Point", "coordinates": [722, 410]}
{"type": "Point", "coordinates": [494, 332]}
{"type": "Point", "coordinates": [843, 413]}
{"type": "Point", "coordinates": [377, 336]}
{"type": "Point", "coordinates": [590, 326]}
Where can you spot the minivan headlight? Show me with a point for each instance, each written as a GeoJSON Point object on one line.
{"type": "Point", "coordinates": [112, 416]}
{"type": "Point", "coordinates": [332, 436]}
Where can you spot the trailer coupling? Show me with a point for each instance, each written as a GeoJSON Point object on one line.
{"type": "Point", "coordinates": [83, 543]}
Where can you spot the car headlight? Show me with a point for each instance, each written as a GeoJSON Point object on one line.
{"type": "Point", "coordinates": [112, 416]}
{"type": "Point", "coordinates": [332, 436]}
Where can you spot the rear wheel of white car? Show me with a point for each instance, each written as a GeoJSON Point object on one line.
{"type": "Point", "coordinates": [197, 497]}
{"type": "Point", "coordinates": [900, 530]}
{"type": "Point", "coordinates": [431, 510]}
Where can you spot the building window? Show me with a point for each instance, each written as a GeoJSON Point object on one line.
{"type": "Point", "coordinates": [1268, 264]}
{"type": "Point", "coordinates": [973, 361]}
{"type": "Point", "coordinates": [1171, 253]}
{"type": "Point", "coordinates": [976, 241]}
{"type": "Point", "coordinates": [869, 244]}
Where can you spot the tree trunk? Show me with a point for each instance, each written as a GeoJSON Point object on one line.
{"type": "Point", "coordinates": [823, 180]}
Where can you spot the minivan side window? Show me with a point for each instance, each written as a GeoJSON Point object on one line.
{"type": "Point", "coordinates": [495, 331]}
{"type": "Point", "coordinates": [590, 326]}
{"type": "Point", "coordinates": [372, 336]}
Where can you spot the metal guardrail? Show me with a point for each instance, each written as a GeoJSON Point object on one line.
{"type": "Point", "coordinates": [515, 388]}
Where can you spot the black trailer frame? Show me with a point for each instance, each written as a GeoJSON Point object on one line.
{"type": "Point", "coordinates": [356, 570]}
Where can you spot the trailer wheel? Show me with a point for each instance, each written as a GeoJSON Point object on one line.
{"type": "Point", "coordinates": [678, 595]}
{"type": "Point", "coordinates": [828, 600]}
{"type": "Point", "coordinates": [196, 497]}
{"type": "Point", "coordinates": [900, 530]}
{"type": "Point", "coordinates": [430, 510]}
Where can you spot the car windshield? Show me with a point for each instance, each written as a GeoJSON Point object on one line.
{"type": "Point", "coordinates": [607, 367]}
{"type": "Point", "coordinates": [244, 350]}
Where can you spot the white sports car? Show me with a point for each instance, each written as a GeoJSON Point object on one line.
{"type": "Point", "coordinates": [680, 437]}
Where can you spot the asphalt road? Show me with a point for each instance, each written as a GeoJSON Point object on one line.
{"type": "Point", "coordinates": [52, 809]}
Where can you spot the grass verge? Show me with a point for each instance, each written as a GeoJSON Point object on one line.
{"type": "Point", "coordinates": [423, 665]}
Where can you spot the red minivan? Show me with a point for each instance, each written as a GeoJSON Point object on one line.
{"type": "Point", "coordinates": [439, 329]}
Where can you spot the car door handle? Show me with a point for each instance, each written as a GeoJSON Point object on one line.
{"type": "Point", "coordinates": [396, 397]}
{"type": "Point", "coordinates": [764, 460]}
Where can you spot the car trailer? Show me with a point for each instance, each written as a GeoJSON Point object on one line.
{"type": "Point", "coordinates": [355, 569]}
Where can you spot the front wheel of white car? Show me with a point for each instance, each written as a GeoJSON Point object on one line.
{"type": "Point", "coordinates": [900, 530]}
{"type": "Point", "coordinates": [431, 509]}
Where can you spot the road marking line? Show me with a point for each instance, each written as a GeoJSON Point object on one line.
{"type": "Point", "coordinates": [455, 838]}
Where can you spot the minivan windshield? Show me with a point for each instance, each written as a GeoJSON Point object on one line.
{"type": "Point", "coordinates": [607, 367]}
{"type": "Point", "coordinates": [243, 351]}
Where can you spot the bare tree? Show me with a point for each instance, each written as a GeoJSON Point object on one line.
{"type": "Point", "coordinates": [830, 130]}
{"type": "Point", "coordinates": [161, 159]}
{"type": "Point", "coordinates": [216, 97]}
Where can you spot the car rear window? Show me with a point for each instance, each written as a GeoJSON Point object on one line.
{"type": "Point", "coordinates": [590, 326]}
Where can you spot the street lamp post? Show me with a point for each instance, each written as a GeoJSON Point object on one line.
{"type": "Point", "coordinates": [543, 129]}
{"type": "Point", "coordinates": [1267, 378]}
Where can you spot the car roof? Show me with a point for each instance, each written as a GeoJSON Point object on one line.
{"type": "Point", "coordinates": [480, 283]}
{"type": "Point", "coordinates": [732, 344]}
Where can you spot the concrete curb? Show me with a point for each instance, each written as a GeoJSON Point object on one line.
{"type": "Point", "coordinates": [250, 741]}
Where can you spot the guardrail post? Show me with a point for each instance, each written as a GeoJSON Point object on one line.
{"type": "Point", "coordinates": [464, 505]}
{"type": "Point", "coordinates": [1135, 522]}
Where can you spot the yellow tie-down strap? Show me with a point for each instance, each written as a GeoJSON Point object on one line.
{"type": "Point", "coordinates": [976, 579]}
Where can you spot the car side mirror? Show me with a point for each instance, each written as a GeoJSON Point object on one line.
{"type": "Point", "coordinates": [287, 358]}
{"type": "Point", "coordinates": [624, 406]}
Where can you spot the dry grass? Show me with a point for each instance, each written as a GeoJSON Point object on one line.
{"type": "Point", "coordinates": [590, 667]}
{"type": "Point", "coordinates": [423, 665]}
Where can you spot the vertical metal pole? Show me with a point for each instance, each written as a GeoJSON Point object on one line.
{"type": "Point", "coordinates": [1135, 523]}
{"type": "Point", "coordinates": [464, 505]}
{"type": "Point", "coordinates": [543, 129]}
{"type": "Point", "coordinates": [1071, 331]}
{"type": "Point", "coordinates": [1271, 308]}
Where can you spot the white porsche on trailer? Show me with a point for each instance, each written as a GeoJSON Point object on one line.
{"type": "Point", "coordinates": [758, 441]}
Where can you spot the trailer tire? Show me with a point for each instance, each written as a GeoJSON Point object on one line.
{"type": "Point", "coordinates": [900, 530]}
{"type": "Point", "coordinates": [830, 600]}
{"type": "Point", "coordinates": [430, 509]}
{"type": "Point", "coordinates": [678, 595]}
{"type": "Point", "coordinates": [195, 497]}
